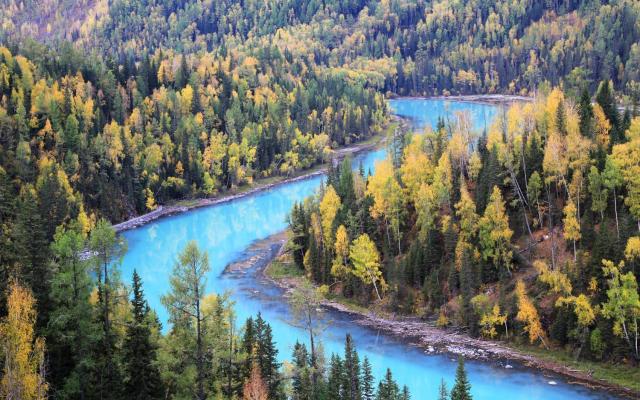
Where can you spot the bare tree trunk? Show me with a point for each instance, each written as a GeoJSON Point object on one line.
{"type": "Point", "coordinates": [386, 224]}
{"type": "Point", "coordinates": [523, 203]}
{"type": "Point", "coordinates": [553, 240]}
{"type": "Point", "coordinates": [615, 208]}
{"type": "Point", "coordinates": [199, 365]}
{"type": "Point", "coordinates": [635, 322]}
{"type": "Point", "coordinates": [374, 285]}
{"type": "Point", "coordinates": [107, 331]}
{"type": "Point", "coordinates": [229, 378]}
{"type": "Point", "coordinates": [314, 358]}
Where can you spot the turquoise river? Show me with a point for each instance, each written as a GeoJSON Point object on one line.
{"type": "Point", "coordinates": [227, 230]}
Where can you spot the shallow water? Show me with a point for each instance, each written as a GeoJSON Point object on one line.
{"type": "Point", "coordinates": [226, 230]}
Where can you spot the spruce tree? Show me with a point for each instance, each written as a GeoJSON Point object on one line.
{"type": "Point", "coordinates": [106, 374]}
{"type": "Point", "coordinates": [248, 346]}
{"type": "Point", "coordinates": [32, 251]}
{"type": "Point", "coordinates": [182, 74]}
{"type": "Point", "coordinates": [301, 381]}
{"type": "Point", "coordinates": [336, 378]}
{"type": "Point", "coordinates": [405, 393]}
{"type": "Point", "coordinates": [606, 99]}
{"type": "Point", "coordinates": [345, 187]}
{"type": "Point", "coordinates": [351, 371]}
{"type": "Point", "coordinates": [368, 388]}
{"type": "Point", "coordinates": [142, 377]}
{"type": "Point", "coordinates": [443, 394]}
{"type": "Point", "coordinates": [585, 112]}
{"type": "Point", "coordinates": [462, 388]}
{"type": "Point", "coordinates": [388, 388]}
{"type": "Point", "coordinates": [267, 357]}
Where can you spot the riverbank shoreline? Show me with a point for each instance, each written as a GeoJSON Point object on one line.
{"type": "Point", "coordinates": [169, 210]}
{"type": "Point", "coordinates": [492, 99]}
{"type": "Point", "coordinates": [434, 340]}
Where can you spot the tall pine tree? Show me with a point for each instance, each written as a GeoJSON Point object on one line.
{"type": "Point", "coordinates": [142, 377]}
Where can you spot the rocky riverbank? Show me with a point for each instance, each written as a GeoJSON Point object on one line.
{"type": "Point", "coordinates": [493, 99]}
{"type": "Point", "coordinates": [434, 340]}
{"type": "Point", "coordinates": [167, 210]}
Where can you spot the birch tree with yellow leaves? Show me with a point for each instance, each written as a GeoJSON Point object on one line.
{"type": "Point", "coordinates": [528, 315]}
{"type": "Point", "coordinates": [387, 199]}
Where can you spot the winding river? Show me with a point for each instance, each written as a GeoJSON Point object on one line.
{"type": "Point", "coordinates": [227, 230]}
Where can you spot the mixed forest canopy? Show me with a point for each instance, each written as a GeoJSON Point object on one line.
{"type": "Point", "coordinates": [528, 232]}
{"type": "Point", "coordinates": [404, 47]}
{"type": "Point", "coordinates": [109, 109]}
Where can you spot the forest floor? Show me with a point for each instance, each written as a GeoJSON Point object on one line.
{"type": "Point", "coordinates": [620, 380]}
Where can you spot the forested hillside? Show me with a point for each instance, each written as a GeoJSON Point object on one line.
{"type": "Point", "coordinates": [412, 47]}
{"type": "Point", "coordinates": [109, 109]}
{"type": "Point", "coordinates": [530, 230]}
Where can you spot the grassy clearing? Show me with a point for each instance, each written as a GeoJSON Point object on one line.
{"type": "Point", "coordinates": [349, 303]}
{"type": "Point", "coordinates": [283, 268]}
{"type": "Point", "coordinates": [619, 374]}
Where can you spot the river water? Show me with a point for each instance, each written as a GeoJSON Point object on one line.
{"type": "Point", "coordinates": [227, 230]}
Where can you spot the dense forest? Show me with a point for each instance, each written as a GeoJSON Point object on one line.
{"type": "Point", "coordinates": [530, 230]}
{"type": "Point", "coordinates": [109, 109]}
{"type": "Point", "coordinates": [405, 47]}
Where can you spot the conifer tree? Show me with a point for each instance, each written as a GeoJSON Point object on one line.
{"type": "Point", "coordinates": [368, 388]}
{"type": "Point", "coordinates": [302, 384]}
{"type": "Point", "coordinates": [388, 388]}
{"type": "Point", "coordinates": [405, 394]}
{"type": "Point", "coordinates": [585, 112]}
{"type": "Point", "coordinates": [71, 330]}
{"type": "Point", "coordinates": [352, 387]}
{"type": "Point", "coordinates": [108, 250]}
{"type": "Point", "coordinates": [266, 357]}
{"type": "Point", "coordinates": [443, 394]}
{"type": "Point", "coordinates": [142, 378]}
{"type": "Point", "coordinates": [31, 249]}
{"type": "Point", "coordinates": [462, 388]}
{"type": "Point", "coordinates": [184, 303]}
{"type": "Point", "coordinates": [336, 378]}
{"type": "Point", "coordinates": [248, 346]}
{"type": "Point", "coordinates": [606, 100]}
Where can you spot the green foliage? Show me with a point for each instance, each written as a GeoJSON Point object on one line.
{"type": "Point", "coordinates": [194, 98]}
{"type": "Point", "coordinates": [461, 389]}
{"type": "Point", "coordinates": [141, 373]}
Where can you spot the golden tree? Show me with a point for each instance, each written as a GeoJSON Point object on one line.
{"type": "Point", "coordinates": [528, 315]}
{"type": "Point", "coordinates": [387, 198]}
{"type": "Point", "coordinates": [495, 234]}
{"type": "Point", "coordinates": [571, 225]}
{"type": "Point", "coordinates": [366, 263]}
{"type": "Point", "coordinates": [329, 206]}
{"type": "Point", "coordinates": [22, 352]}
{"type": "Point", "coordinates": [339, 266]}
